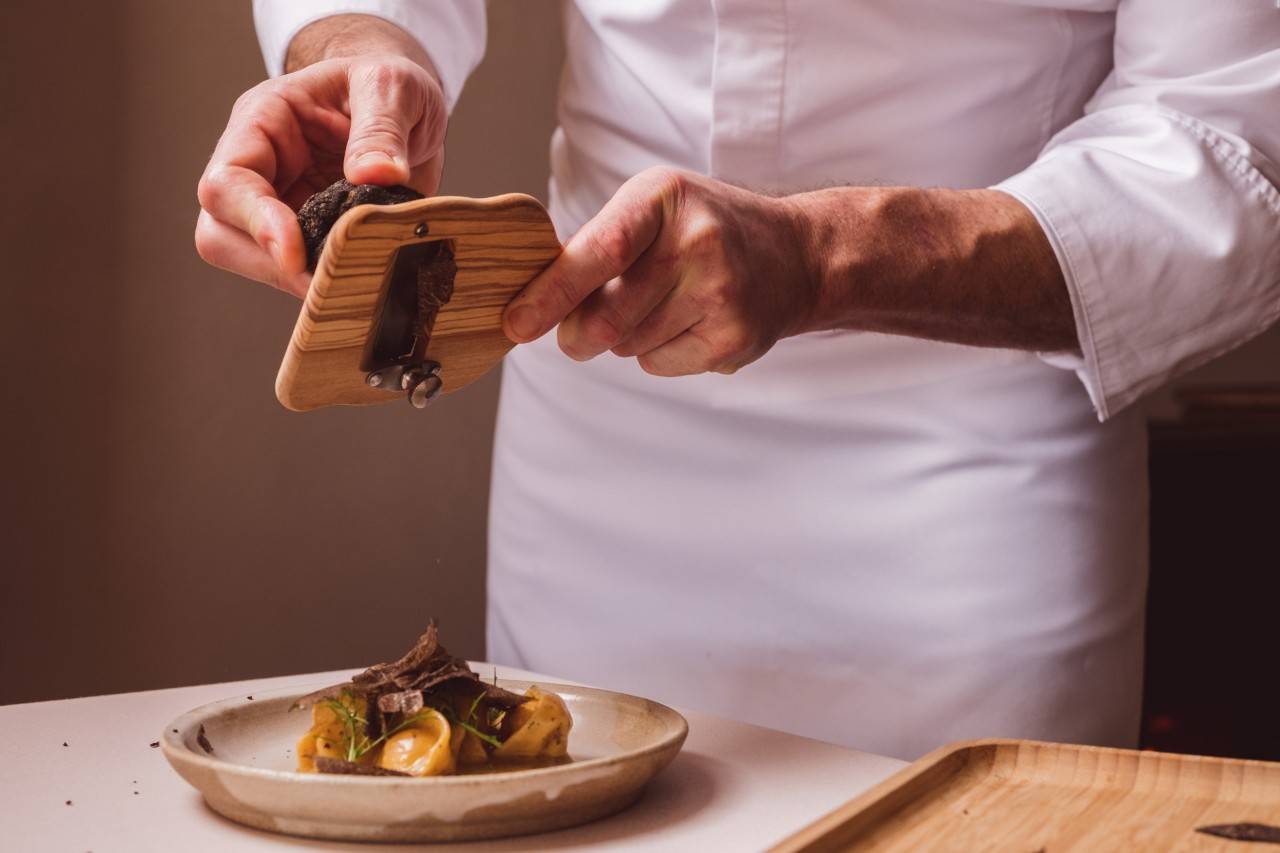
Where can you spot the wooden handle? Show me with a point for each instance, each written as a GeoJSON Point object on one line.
{"type": "Point", "coordinates": [499, 245]}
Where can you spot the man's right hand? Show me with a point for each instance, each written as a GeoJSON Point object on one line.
{"type": "Point", "coordinates": [377, 118]}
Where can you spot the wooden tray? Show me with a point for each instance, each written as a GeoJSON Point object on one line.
{"type": "Point", "coordinates": [499, 244]}
{"type": "Point", "coordinates": [1027, 796]}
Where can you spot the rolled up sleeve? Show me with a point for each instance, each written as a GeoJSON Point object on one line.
{"type": "Point", "coordinates": [1161, 202]}
{"type": "Point", "coordinates": [452, 32]}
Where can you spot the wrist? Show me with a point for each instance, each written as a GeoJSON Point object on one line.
{"type": "Point", "coordinates": [967, 266]}
{"type": "Point", "coordinates": [848, 251]}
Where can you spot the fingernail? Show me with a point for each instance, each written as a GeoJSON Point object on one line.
{"type": "Point", "coordinates": [523, 321]}
{"type": "Point", "coordinates": [380, 160]}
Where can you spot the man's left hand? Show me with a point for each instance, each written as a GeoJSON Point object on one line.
{"type": "Point", "coordinates": [687, 274]}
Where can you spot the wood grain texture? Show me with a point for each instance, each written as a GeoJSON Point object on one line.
{"type": "Point", "coordinates": [1025, 796]}
{"type": "Point", "coordinates": [499, 245]}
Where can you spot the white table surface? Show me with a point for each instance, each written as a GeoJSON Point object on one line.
{"type": "Point", "coordinates": [733, 786]}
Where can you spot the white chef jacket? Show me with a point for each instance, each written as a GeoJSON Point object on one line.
{"type": "Point", "coordinates": [877, 540]}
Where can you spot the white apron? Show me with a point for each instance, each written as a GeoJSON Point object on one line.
{"type": "Point", "coordinates": [876, 541]}
{"type": "Point", "coordinates": [890, 570]}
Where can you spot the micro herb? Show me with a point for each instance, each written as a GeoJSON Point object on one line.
{"type": "Point", "coordinates": [360, 746]}
{"type": "Point", "coordinates": [453, 720]}
{"type": "Point", "coordinates": [349, 719]}
{"type": "Point", "coordinates": [471, 713]}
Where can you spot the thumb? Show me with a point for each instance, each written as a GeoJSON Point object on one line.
{"type": "Point", "coordinates": [382, 117]}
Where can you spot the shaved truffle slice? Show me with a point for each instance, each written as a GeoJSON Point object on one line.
{"type": "Point", "coordinates": [318, 213]}
{"type": "Point", "coordinates": [407, 685]}
{"type": "Point", "coordinates": [425, 666]}
{"type": "Point", "coordinates": [203, 740]}
{"type": "Point", "coordinates": [435, 286]}
{"type": "Point", "coordinates": [408, 702]}
{"type": "Point", "coordinates": [325, 764]}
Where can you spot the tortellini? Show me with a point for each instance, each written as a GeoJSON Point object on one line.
{"type": "Point", "coordinates": [437, 741]}
{"type": "Point", "coordinates": [329, 735]}
{"type": "Point", "coordinates": [424, 748]}
{"type": "Point", "coordinates": [538, 729]}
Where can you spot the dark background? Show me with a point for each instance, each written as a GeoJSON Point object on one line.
{"type": "Point", "coordinates": [166, 522]}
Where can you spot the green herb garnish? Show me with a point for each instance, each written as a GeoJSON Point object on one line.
{"type": "Point", "coordinates": [356, 748]}
{"type": "Point", "coordinates": [454, 720]}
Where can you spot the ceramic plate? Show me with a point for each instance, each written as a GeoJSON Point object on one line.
{"type": "Point", "coordinates": [618, 743]}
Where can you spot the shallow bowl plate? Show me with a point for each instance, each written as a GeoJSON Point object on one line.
{"type": "Point", "coordinates": [618, 743]}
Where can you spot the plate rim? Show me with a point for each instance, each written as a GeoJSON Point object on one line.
{"type": "Point", "coordinates": [175, 748]}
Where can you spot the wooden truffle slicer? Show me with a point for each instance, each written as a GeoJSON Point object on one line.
{"type": "Point", "coordinates": [407, 299]}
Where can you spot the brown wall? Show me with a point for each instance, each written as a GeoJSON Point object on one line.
{"type": "Point", "coordinates": [164, 520]}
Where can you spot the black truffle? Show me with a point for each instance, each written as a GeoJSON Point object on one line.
{"type": "Point", "coordinates": [318, 213]}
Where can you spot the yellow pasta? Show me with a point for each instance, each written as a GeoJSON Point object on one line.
{"type": "Point", "coordinates": [539, 728]}
{"type": "Point", "coordinates": [423, 748]}
{"type": "Point", "coordinates": [379, 724]}
{"type": "Point", "coordinates": [329, 735]}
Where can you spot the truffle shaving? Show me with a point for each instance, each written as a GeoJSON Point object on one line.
{"type": "Point", "coordinates": [338, 766]}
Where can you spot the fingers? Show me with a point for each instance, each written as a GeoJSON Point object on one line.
{"type": "Point", "coordinates": [232, 250]}
{"type": "Point", "coordinates": [694, 351]}
{"type": "Point", "coordinates": [397, 122]}
{"type": "Point", "coordinates": [672, 317]}
{"type": "Point", "coordinates": [602, 250]}
{"type": "Point", "coordinates": [686, 355]}
{"type": "Point", "coordinates": [394, 134]}
{"type": "Point", "coordinates": [243, 199]}
{"type": "Point", "coordinates": [610, 315]}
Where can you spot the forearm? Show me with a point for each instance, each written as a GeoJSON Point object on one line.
{"type": "Point", "coordinates": [341, 36]}
{"type": "Point", "coordinates": [965, 266]}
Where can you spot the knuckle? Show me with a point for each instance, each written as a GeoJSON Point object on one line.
{"type": "Point", "coordinates": [253, 100]}
{"type": "Point", "coordinates": [651, 365]}
{"type": "Point", "coordinates": [704, 236]}
{"type": "Point", "coordinates": [665, 179]}
{"type": "Point", "coordinates": [605, 327]}
{"type": "Point", "coordinates": [206, 243]}
{"type": "Point", "coordinates": [610, 245]}
{"type": "Point", "coordinates": [715, 296]}
{"type": "Point", "coordinates": [378, 127]}
{"type": "Point", "coordinates": [213, 186]}
{"type": "Point", "coordinates": [563, 292]}
{"type": "Point", "coordinates": [392, 81]}
{"type": "Point", "coordinates": [382, 77]}
{"type": "Point", "coordinates": [246, 99]}
{"type": "Point", "coordinates": [730, 343]}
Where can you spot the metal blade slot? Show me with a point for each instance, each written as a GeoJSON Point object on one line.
{"type": "Point", "coordinates": [399, 336]}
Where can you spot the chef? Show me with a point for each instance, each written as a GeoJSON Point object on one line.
{"type": "Point", "coordinates": [824, 419]}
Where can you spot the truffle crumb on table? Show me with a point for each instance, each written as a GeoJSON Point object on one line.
{"type": "Point", "coordinates": [318, 213]}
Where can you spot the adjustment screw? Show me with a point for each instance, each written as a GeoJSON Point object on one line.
{"type": "Point", "coordinates": [425, 391]}
{"type": "Point", "coordinates": [373, 380]}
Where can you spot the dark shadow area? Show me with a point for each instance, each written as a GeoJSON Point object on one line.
{"type": "Point", "coordinates": [1213, 622]}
